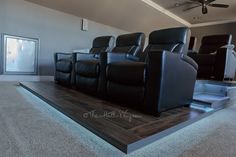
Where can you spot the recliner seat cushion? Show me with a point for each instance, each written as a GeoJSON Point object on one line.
{"type": "Point", "coordinates": [87, 68]}
{"type": "Point", "coordinates": [127, 73]}
{"type": "Point", "coordinates": [63, 77]}
{"type": "Point", "coordinates": [64, 66]}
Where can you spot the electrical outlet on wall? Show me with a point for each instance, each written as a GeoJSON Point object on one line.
{"type": "Point", "coordinates": [84, 25]}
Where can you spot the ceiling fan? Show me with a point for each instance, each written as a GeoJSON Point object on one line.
{"type": "Point", "coordinates": [202, 3]}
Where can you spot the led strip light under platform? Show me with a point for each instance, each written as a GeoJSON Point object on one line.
{"type": "Point", "coordinates": [124, 128]}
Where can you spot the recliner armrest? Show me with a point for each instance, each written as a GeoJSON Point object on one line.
{"type": "Point", "coordinates": [117, 57]}
{"type": "Point", "coordinates": [63, 56]}
{"type": "Point", "coordinates": [86, 56]}
{"type": "Point", "coordinates": [133, 58]}
{"type": "Point", "coordinates": [170, 77]}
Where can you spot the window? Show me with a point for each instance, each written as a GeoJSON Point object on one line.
{"type": "Point", "coordinates": [20, 55]}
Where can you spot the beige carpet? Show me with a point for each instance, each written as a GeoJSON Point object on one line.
{"type": "Point", "coordinates": [31, 128]}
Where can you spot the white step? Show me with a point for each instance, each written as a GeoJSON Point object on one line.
{"type": "Point", "coordinates": [210, 100]}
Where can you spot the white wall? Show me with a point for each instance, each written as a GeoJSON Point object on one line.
{"type": "Point", "coordinates": [57, 31]}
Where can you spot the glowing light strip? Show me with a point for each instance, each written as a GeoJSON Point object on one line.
{"type": "Point", "coordinates": [166, 12]}
{"type": "Point", "coordinates": [200, 107]}
{"type": "Point", "coordinates": [213, 23]}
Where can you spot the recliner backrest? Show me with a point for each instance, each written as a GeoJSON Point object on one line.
{"type": "Point", "coordinates": [102, 44]}
{"type": "Point", "coordinates": [173, 40]}
{"type": "Point", "coordinates": [211, 43]}
{"type": "Point", "coordinates": [130, 43]}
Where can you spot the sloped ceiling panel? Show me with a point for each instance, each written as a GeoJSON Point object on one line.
{"type": "Point", "coordinates": [129, 15]}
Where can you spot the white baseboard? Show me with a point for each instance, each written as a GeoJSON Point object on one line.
{"type": "Point", "coordinates": [22, 78]}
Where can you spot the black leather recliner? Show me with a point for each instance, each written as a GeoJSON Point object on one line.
{"type": "Point", "coordinates": [87, 66]}
{"type": "Point", "coordinates": [128, 47]}
{"type": "Point", "coordinates": [90, 73]}
{"type": "Point", "coordinates": [163, 81]}
{"type": "Point", "coordinates": [65, 62]}
{"type": "Point", "coordinates": [215, 58]}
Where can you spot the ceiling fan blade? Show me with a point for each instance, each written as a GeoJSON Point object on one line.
{"type": "Point", "coordinates": [219, 5]}
{"type": "Point", "coordinates": [199, 1]}
{"type": "Point", "coordinates": [183, 4]}
{"type": "Point", "coordinates": [192, 7]}
{"type": "Point", "coordinates": [203, 1]}
{"type": "Point", "coordinates": [209, 1]}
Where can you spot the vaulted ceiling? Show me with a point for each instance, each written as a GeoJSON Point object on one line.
{"type": "Point", "coordinates": [140, 15]}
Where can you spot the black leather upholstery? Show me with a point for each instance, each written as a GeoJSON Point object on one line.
{"type": "Point", "coordinates": [171, 40]}
{"type": "Point", "coordinates": [160, 78]}
{"type": "Point", "coordinates": [165, 80]}
{"type": "Point", "coordinates": [87, 66]}
{"type": "Point", "coordinates": [128, 47]}
{"type": "Point", "coordinates": [89, 76]}
{"type": "Point", "coordinates": [131, 44]}
{"type": "Point", "coordinates": [210, 44]}
{"type": "Point", "coordinates": [102, 44]}
{"type": "Point", "coordinates": [64, 70]}
{"type": "Point", "coordinates": [176, 43]}
{"type": "Point", "coordinates": [212, 58]}
{"type": "Point", "coordinates": [132, 74]}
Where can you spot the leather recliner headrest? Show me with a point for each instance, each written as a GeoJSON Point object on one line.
{"type": "Point", "coordinates": [169, 36]}
{"type": "Point", "coordinates": [172, 39]}
{"type": "Point", "coordinates": [103, 41]}
{"type": "Point", "coordinates": [211, 43]}
{"type": "Point", "coordinates": [217, 39]}
{"type": "Point", "coordinates": [134, 39]}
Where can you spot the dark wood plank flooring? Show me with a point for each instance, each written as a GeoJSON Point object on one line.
{"type": "Point", "coordinates": [124, 128]}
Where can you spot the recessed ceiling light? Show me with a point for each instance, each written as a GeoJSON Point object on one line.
{"type": "Point", "coordinates": [177, 4]}
{"type": "Point", "coordinates": [197, 17]}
